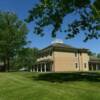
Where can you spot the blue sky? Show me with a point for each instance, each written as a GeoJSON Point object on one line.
{"type": "Point", "coordinates": [21, 7]}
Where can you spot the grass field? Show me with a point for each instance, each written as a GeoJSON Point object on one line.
{"type": "Point", "coordinates": [55, 86]}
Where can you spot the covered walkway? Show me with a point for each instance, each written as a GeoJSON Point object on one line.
{"type": "Point", "coordinates": [43, 66]}
{"type": "Point", "coordinates": [94, 64]}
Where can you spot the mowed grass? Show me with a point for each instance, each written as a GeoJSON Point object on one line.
{"type": "Point", "coordinates": [36, 86]}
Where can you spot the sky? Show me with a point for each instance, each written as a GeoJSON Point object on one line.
{"type": "Point", "coordinates": [21, 7]}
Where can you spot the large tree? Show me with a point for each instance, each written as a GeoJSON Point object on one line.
{"type": "Point", "coordinates": [53, 12]}
{"type": "Point", "coordinates": [12, 36]}
{"type": "Point", "coordinates": [25, 58]}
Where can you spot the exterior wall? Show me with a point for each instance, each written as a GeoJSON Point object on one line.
{"type": "Point", "coordinates": [84, 62]}
{"type": "Point", "coordinates": [66, 61]}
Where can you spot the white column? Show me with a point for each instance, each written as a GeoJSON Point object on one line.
{"type": "Point", "coordinates": [41, 67]}
{"type": "Point", "coordinates": [96, 66]}
{"type": "Point", "coordinates": [44, 67]}
{"type": "Point", "coordinates": [92, 67]}
{"type": "Point", "coordinates": [33, 68]}
{"type": "Point", "coordinates": [37, 68]}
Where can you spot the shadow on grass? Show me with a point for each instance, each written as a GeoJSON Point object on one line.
{"type": "Point", "coordinates": [65, 77]}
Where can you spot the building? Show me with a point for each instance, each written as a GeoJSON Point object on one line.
{"type": "Point", "coordinates": [59, 57]}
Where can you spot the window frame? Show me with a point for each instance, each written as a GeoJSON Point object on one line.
{"type": "Point", "coordinates": [76, 65]}
{"type": "Point", "coordinates": [85, 65]}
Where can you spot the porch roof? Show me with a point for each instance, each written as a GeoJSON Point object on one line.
{"type": "Point", "coordinates": [45, 61]}
{"type": "Point", "coordinates": [94, 60]}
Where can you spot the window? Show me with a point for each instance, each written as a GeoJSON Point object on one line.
{"type": "Point", "coordinates": [85, 65]}
{"type": "Point", "coordinates": [75, 54]}
{"type": "Point", "coordinates": [76, 65]}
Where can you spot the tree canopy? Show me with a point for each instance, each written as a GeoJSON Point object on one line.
{"type": "Point", "coordinates": [53, 12]}
{"type": "Point", "coordinates": [12, 36]}
{"type": "Point", "coordinates": [25, 58]}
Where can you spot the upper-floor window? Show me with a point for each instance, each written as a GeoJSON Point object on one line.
{"type": "Point", "coordinates": [75, 54]}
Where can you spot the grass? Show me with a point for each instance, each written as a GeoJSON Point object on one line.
{"type": "Point", "coordinates": [50, 86]}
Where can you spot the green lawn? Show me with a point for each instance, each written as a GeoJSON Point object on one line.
{"type": "Point", "coordinates": [63, 86]}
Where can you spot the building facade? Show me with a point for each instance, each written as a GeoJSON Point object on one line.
{"type": "Point", "coordinates": [60, 57]}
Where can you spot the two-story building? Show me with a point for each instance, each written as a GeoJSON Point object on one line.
{"type": "Point", "coordinates": [59, 57]}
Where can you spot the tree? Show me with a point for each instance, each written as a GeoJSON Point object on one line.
{"type": "Point", "coordinates": [53, 12]}
{"type": "Point", "coordinates": [26, 58]}
{"type": "Point", "coordinates": [89, 22]}
{"type": "Point", "coordinates": [93, 54]}
{"type": "Point", "coordinates": [98, 55]}
{"type": "Point", "coordinates": [12, 36]}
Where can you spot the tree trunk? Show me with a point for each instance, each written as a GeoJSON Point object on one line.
{"type": "Point", "coordinates": [8, 64]}
{"type": "Point", "coordinates": [4, 64]}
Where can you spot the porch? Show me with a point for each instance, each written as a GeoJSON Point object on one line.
{"type": "Point", "coordinates": [43, 66]}
{"type": "Point", "coordinates": [94, 64]}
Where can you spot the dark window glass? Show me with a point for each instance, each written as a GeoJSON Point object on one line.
{"type": "Point", "coordinates": [85, 65]}
{"type": "Point", "coordinates": [76, 65]}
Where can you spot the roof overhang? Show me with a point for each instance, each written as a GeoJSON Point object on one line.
{"type": "Point", "coordinates": [45, 61]}
{"type": "Point", "coordinates": [94, 60]}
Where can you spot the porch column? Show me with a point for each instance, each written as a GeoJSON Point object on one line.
{"type": "Point", "coordinates": [45, 67]}
{"type": "Point", "coordinates": [51, 67]}
{"type": "Point", "coordinates": [33, 68]}
{"type": "Point", "coordinates": [96, 66]}
{"type": "Point", "coordinates": [37, 68]}
{"type": "Point", "coordinates": [41, 67]}
{"type": "Point", "coordinates": [92, 67]}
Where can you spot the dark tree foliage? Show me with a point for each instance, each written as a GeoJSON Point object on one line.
{"type": "Point", "coordinates": [98, 55]}
{"type": "Point", "coordinates": [25, 58]}
{"type": "Point", "coordinates": [89, 23]}
{"type": "Point", "coordinates": [12, 37]}
{"type": "Point", "coordinates": [53, 12]}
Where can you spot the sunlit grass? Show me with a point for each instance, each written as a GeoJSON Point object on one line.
{"type": "Point", "coordinates": [24, 86]}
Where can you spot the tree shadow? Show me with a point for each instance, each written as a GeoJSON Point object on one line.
{"type": "Point", "coordinates": [65, 77]}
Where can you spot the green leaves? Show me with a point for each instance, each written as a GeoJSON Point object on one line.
{"type": "Point", "coordinates": [97, 5]}
{"type": "Point", "coordinates": [52, 13]}
{"type": "Point", "coordinates": [49, 12]}
{"type": "Point", "coordinates": [26, 57]}
{"type": "Point", "coordinates": [12, 34]}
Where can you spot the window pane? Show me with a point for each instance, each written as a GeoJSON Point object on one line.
{"type": "Point", "coordinates": [76, 65]}
{"type": "Point", "coordinates": [85, 65]}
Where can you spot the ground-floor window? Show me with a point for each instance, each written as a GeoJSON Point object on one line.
{"type": "Point", "coordinates": [85, 65]}
{"type": "Point", "coordinates": [76, 65]}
